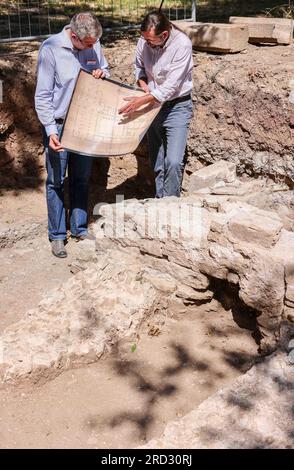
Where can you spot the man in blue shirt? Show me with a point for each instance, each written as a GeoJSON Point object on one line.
{"type": "Point", "coordinates": [60, 59]}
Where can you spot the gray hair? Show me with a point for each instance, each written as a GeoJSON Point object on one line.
{"type": "Point", "coordinates": [86, 25]}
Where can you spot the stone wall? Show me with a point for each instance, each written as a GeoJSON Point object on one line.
{"type": "Point", "coordinates": [154, 256]}
{"type": "Point", "coordinates": [212, 236]}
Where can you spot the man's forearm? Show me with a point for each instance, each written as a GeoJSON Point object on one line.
{"type": "Point", "coordinates": [135, 103]}
{"type": "Point", "coordinates": [148, 98]}
{"type": "Point", "coordinates": [45, 110]}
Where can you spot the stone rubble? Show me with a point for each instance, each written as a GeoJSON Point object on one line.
{"type": "Point", "coordinates": [216, 37]}
{"type": "Point", "coordinates": [79, 321]}
{"type": "Point", "coordinates": [267, 30]}
{"type": "Point", "coordinates": [10, 235]}
{"type": "Point", "coordinates": [220, 237]}
{"type": "Point", "coordinates": [151, 254]}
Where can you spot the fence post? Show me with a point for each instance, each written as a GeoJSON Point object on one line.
{"type": "Point", "coordinates": [194, 10]}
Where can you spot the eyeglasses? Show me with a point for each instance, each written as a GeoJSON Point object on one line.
{"type": "Point", "coordinates": [156, 41]}
{"type": "Point", "coordinates": [82, 41]}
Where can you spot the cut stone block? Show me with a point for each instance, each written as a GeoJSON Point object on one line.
{"type": "Point", "coordinates": [258, 228]}
{"type": "Point", "coordinates": [289, 314]}
{"type": "Point", "coordinates": [289, 303]}
{"type": "Point", "coordinates": [210, 175]}
{"type": "Point", "coordinates": [216, 37]}
{"type": "Point", "coordinates": [290, 293]}
{"type": "Point", "coordinates": [267, 30]}
{"type": "Point", "coordinates": [289, 280]}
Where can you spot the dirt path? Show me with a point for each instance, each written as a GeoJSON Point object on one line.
{"type": "Point", "coordinates": [27, 268]}
{"type": "Point", "coordinates": [127, 399]}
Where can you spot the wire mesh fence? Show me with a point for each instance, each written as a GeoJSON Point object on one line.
{"type": "Point", "coordinates": [31, 18]}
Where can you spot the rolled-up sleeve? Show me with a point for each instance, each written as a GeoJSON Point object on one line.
{"type": "Point", "coordinates": [179, 69]}
{"type": "Point", "coordinates": [44, 90]}
{"type": "Point", "coordinates": [139, 63]}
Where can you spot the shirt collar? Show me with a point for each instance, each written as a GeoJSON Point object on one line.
{"type": "Point", "coordinates": [168, 41]}
{"type": "Point", "coordinates": [65, 40]}
{"type": "Point", "coordinates": [170, 38]}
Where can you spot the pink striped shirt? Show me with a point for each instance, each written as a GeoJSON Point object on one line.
{"type": "Point", "coordinates": [168, 69]}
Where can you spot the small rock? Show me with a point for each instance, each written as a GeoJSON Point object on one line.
{"type": "Point", "coordinates": [290, 357]}
{"type": "Point", "coordinates": [233, 278]}
{"type": "Point", "coordinates": [291, 344]}
{"type": "Point", "coordinates": [290, 315]}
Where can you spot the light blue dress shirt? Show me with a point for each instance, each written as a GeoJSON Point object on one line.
{"type": "Point", "coordinates": [59, 64]}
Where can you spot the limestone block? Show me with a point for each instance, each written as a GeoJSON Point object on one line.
{"type": "Point", "coordinates": [210, 175]}
{"type": "Point", "coordinates": [160, 281]}
{"type": "Point", "coordinates": [233, 278]}
{"type": "Point", "coordinates": [187, 276]}
{"type": "Point", "coordinates": [190, 294]}
{"type": "Point", "coordinates": [256, 226]}
{"type": "Point", "coordinates": [196, 280]}
{"type": "Point", "coordinates": [290, 292]}
{"type": "Point", "coordinates": [289, 303]}
{"type": "Point", "coordinates": [289, 314]}
{"type": "Point", "coordinates": [151, 247]}
{"type": "Point", "coordinates": [267, 30]}
{"type": "Point", "coordinates": [284, 251]}
{"type": "Point", "coordinates": [216, 37]}
{"type": "Point", "coordinates": [262, 287]}
{"type": "Point", "coordinates": [226, 256]}
{"type": "Point", "coordinates": [289, 278]}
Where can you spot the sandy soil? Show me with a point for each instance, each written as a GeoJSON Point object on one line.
{"type": "Point", "coordinates": [126, 399]}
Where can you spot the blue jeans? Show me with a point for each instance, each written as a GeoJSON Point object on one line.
{"type": "Point", "coordinates": [79, 172]}
{"type": "Point", "coordinates": [167, 139]}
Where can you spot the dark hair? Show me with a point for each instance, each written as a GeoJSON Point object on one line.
{"type": "Point", "coordinates": [156, 20]}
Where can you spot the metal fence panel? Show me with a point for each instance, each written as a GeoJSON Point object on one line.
{"type": "Point", "coordinates": [21, 19]}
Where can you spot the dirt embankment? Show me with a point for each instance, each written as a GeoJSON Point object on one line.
{"type": "Point", "coordinates": [20, 143]}
{"type": "Point", "coordinates": [243, 113]}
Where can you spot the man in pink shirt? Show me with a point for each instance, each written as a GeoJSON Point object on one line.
{"type": "Point", "coordinates": [164, 71]}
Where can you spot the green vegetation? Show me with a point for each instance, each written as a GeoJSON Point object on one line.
{"type": "Point", "coordinates": [221, 10]}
